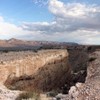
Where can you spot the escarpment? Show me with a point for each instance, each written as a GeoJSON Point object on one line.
{"type": "Point", "coordinates": [44, 70]}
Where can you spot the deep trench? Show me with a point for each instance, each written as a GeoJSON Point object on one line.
{"type": "Point", "coordinates": [78, 59]}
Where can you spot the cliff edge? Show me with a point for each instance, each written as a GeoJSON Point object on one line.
{"type": "Point", "coordinates": [44, 70]}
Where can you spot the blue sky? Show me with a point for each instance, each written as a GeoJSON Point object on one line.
{"type": "Point", "coordinates": [23, 10]}
{"type": "Point", "coordinates": [27, 10]}
{"type": "Point", "coordinates": [51, 20]}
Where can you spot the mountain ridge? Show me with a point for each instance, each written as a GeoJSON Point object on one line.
{"type": "Point", "coordinates": [13, 42]}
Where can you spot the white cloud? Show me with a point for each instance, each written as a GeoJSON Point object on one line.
{"type": "Point", "coordinates": [70, 10]}
{"type": "Point", "coordinates": [9, 30]}
{"type": "Point", "coordinates": [73, 22]}
{"type": "Point", "coordinates": [1, 19]}
{"type": "Point", "coordinates": [40, 2]}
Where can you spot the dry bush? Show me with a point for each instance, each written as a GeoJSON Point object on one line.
{"type": "Point", "coordinates": [28, 96]}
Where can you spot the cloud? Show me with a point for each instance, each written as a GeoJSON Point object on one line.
{"type": "Point", "coordinates": [73, 22]}
{"type": "Point", "coordinates": [1, 19]}
{"type": "Point", "coordinates": [40, 2]}
{"type": "Point", "coordinates": [9, 30]}
{"type": "Point", "coordinates": [72, 9]}
{"type": "Point", "coordinates": [75, 15]}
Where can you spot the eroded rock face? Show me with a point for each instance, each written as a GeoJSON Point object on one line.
{"type": "Point", "coordinates": [90, 90]}
{"type": "Point", "coordinates": [78, 59]}
{"type": "Point", "coordinates": [45, 70]}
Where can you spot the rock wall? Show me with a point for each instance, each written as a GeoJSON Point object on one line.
{"type": "Point", "coordinates": [89, 90]}
{"type": "Point", "coordinates": [47, 69]}
{"type": "Point", "coordinates": [78, 59]}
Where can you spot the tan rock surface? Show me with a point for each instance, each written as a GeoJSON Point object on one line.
{"type": "Point", "coordinates": [47, 69]}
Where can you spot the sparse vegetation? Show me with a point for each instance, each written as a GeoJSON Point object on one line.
{"type": "Point", "coordinates": [5, 51]}
{"type": "Point", "coordinates": [89, 48]}
{"type": "Point", "coordinates": [28, 95]}
{"type": "Point", "coordinates": [92, 59]}
{"type": "Point", "coordinates": [1, 62]}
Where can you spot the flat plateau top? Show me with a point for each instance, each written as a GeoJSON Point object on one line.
{"type": "Point", "coordinates": [23, 54]}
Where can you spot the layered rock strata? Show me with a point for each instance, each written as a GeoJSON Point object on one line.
{"type": "Point", "coordinates": [44, 70]}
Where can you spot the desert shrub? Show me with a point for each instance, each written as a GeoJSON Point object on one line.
{"type": "Point", "coordinates": [52, 93]}
{"type": "Point", "coordinates": [92, 59]}
{"type": "Point", "coordinates": [5, 51]}
{"type": "Point", "coordinates": [28, 96]}
{"type": "Point", "coordinates": [89, 48]}
{"type": "Point", "coordinates": [1, 62]}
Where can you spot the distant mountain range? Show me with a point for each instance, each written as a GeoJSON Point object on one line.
{"type": "Point", "coordinates": [23, 44]}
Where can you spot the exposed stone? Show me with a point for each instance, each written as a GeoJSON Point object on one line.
{"type": "Point", "coordinates": [45, 70]}
{"type": "Point", "coordinates": [6, 94]}
{"type": "Point", "coordinates": [89, 90]}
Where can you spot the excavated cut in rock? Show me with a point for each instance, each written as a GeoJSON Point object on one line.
{"type": "Point", "coordinates": [44, 70]}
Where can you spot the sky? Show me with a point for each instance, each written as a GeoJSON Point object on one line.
{"type": "Point", "coordinates": [51, 20]}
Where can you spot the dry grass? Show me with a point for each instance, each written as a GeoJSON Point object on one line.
{"type": "Point", "coordinates": [29, 96]}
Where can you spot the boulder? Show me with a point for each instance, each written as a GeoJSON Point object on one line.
{"type": "Point", "coordinates": [6, 94]}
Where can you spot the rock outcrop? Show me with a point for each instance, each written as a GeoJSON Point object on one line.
{"type": "Point", "coordinates": [89, 90]}
{"type": "Point", "coordinates": [44, 70]}
{"type": "Point", "coordinates": [6, 94]}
